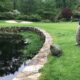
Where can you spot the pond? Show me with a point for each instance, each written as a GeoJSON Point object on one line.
{"type": "Point", "coordinates": [15, 50]}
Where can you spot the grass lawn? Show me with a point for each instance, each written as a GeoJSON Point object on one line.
{"type": "Point", "coordinates": [66, 67]}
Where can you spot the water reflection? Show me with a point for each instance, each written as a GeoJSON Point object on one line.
{"type": "Point", "coordinates": [11, 55]}
{"type": "Point", "coordinates": [11, 76]}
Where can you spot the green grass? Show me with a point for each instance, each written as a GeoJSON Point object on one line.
{"type": "Point", "coordinates": [66, 67]}
{"type": "Point", "coordinates": [35, 43]}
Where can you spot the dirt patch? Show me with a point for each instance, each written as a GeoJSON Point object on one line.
{"type": "Point", "coordinates": [22, 22]}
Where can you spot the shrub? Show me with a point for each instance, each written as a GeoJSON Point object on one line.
{"type": "Point", "coordinates": [76, 15]}
{"type": "Point", "coordinates": [47, 15]}
{"type": "Point", "coordinates": [9, 15]}
{"type": "Point", "coordinates": [6, 15]}
{"type": "Point", "coordinates": [22, 17]}
{"type": "Point", "coordinates": [15, 13]}
{"type": "Point", "coordinates": [66, 13]}
{"type": "Point", "coordinates": [35, 18]}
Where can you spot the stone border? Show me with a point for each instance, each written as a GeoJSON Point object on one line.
{"type": "Point", "coordinates": [32, 69]}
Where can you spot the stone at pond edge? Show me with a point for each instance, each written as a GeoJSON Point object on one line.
{"type": "Point", "coordinates": [56, 50]}
{"type": "Point", "coordinates": [78, 36]}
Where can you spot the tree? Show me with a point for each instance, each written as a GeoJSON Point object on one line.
{"type": "Point", "coordinates": [14, 4]}
{"type": "Point", "coordinates": [5, 5]}
{"type": "Point", "coordinates": [27, 6]}
{"type": "Point", "coordinates": [2, 6]}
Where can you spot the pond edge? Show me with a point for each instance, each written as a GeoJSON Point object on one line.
{"type": "Point", "coordinates": [32, 69]}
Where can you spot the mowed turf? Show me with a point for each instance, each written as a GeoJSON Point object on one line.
{"type": "Point", "coordinates": [66, 67]}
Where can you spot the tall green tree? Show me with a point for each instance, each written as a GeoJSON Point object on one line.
{"type": "Point", "coordinates": [27, 6]}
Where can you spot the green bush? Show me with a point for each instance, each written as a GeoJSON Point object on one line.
{"type": "Point", "coordinates": [9, 15]}
{"type": "Point", "coordinates": [22, 17]}
{"type": "Point", "coordinates": [34, 18]}
{"type": "Point", "coordinates": [76, 14]}
{"type": "Point", "coordinates": [16, 12]}
{"type": "Point", "coordinates": [47, 15]}
{"type": "Point", "coordinates": [6, 16]}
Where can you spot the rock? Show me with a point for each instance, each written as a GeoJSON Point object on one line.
{"type": "Point", "coordinates": [78, 35]}
{"type": "Point", "coordinates": [56, 50]}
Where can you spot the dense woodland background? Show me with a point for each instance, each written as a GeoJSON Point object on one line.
{"type": "Point", "coordinates": [40, 10]}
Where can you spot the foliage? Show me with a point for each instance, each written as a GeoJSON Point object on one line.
{"type": "Point", "coordinates": [15, 12]}
{"type": "Point", "coordinates": [6, 16]}
{"type": "Point", "coordinates": [9, 15]}
{"type": "Point", "coordinates": [46, 9]}
{"type": "Point", "coordinates": [34, 18]}
{"type": "Point", "coordinates": [66, 13]}
{"type": "Point", "coordinates": [47, 15]}
{"type": "Point", "coordinates": [76, 14]}
{"type": "Point", "coordinates": [22, 17]}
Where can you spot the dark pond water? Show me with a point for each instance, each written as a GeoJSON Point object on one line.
{"type": "Point", "coordinates": [12, 76]}
{"type": "Point", "coordinates": [11, 55]}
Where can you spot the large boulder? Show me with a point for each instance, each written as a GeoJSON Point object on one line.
{"type": "Point", "coordinates": [56, 50]}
